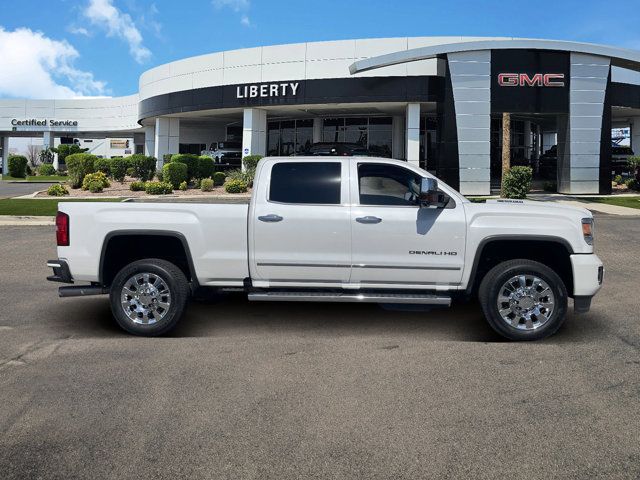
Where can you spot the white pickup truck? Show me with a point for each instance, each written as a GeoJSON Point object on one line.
{"type": "Point", "coordinates": [334, 229]}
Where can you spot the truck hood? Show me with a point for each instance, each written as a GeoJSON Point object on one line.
{"type": "Point", "coordinates": [524, 218]}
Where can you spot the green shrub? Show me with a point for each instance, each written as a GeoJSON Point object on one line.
{"type": "Point", "coordinates": [205, 167]}
{"type": "Point", "coordinates": [102, 165]}
{"type": "Point", "coordinates": [175, 173]}
{"type": "Point", "coordinates": [95, 179]}
{"type": "Point", "coordinates": [29, 171]}
{"type": "Point", "coordinates": [158, 188]}
{"type": "Point", "coordinates": [219, 178]}
{"type": "Point", "coordinates": [137, 186]}
{"type": "Point", "coordinates": [183, 186]}
{"type": "Point", "coordinates": [143, 167]}
{"type": "Point", "coordinates": [550, 187]}
{"type": "Point", "coordinates": [517, 182]}
{"type": "Point", "coordinates": [206, 185]}
{"type": "Point", "coordinates": [632, 184]}
{"type": "Point", "coordinates": [190, 160]}
{"type": "Point", "coordinates": [235, 186]}
{"type": "Point", "coordinates": [94, 186]}
{"type": "Point", "coordinates": [57, 190]}
{"type": "Point", "coordinates": [634, 164]}
{"type": "Point", "coordinates": [166, 158]}
{"type": "Point", "coordinates": [245, 177]}
{"type": "Point", "coordinates": [250, 162]}
{"type": "Point", "coordinates": [79, 165]}
{"type": "Point", "coordinates": [17, 166]}
{"type": "Point", "coordinates": [119, 167]}
{"type": "Point", "coordinates": [160, 175]}
{"type": "Point", "coordinates": [46, 169]}
{"type": "Point", "coordinates": [65, 150]}
{"type": "Point", "coordinates": [617, 179]}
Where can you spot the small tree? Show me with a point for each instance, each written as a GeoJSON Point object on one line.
{"type": "Point", "coordinates": [46, 155]}
{"type": "Point", "coordinates": [65, 150]}
{"type": "Point", "coordinates": [33, 154]}
{"type": "Point", "coordinates": [634, 167]}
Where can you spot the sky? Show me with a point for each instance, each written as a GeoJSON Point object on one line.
{"type": "Point", "coordinates": [67, 49]}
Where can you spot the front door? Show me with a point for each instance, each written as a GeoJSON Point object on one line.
{"type": "Point", "coordinates": [301, 230]}
{"type": "Point", "coordinates": [396, 243]}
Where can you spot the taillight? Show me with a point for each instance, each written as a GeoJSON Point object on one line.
{"type": "Point", "coordinates": [62, 229]}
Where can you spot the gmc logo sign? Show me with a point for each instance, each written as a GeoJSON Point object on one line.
{"type": "Point", "coordinates": [537, 80]}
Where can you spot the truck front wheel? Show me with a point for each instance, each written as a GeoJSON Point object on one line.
{"type": "Point", "coordinates": [148, 296]}
{"type": "Point", "coordinates": [523, 300]}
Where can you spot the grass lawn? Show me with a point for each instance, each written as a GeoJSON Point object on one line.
{"type": "Point", "coordinates": [40, 208]}
{"type": "Point", "coordinates": [38, 178]}
{"type": "Point", "coordinates": [631, 202]}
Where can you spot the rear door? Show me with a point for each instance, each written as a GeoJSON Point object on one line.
{"type": "Point", "coordinates": [300, 224]}
{"type": "Point", "coordinates": [395, 242]}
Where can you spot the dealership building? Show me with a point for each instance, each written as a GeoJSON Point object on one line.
{"type": "Point", "coordinates": [437, 102]}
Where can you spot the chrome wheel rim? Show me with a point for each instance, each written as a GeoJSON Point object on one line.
{"type": "Point", "coordinates": [145, 298]}
{"type": "Point", "coordinates": [525, 302]}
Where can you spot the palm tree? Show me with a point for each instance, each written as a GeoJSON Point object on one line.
{"type": "Point", "coordinates": [506, 147]}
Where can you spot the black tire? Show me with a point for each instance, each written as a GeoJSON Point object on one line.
{"type": "Point", "coordinates": [490, 289]}
{"type": "Point", "coordinates": [170, 276]}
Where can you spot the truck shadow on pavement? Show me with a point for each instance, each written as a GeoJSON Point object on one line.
{"type": "Point", "coordinates": [234, 315]}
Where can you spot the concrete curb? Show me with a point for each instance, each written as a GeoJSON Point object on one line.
{"type": "Point", "coordinates": [17, 220]}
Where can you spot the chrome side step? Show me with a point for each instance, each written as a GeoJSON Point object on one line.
{"type": "Point", "coordinates": [423, 299]}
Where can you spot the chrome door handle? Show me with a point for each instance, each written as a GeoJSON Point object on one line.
{"type": "Point", "coordinates": [270, 218]}
{"type": "Point", "coordinates": [368, 219]}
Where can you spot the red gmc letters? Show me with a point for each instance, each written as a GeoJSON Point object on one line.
{"type": "Point", "coordinates": [536, 80]}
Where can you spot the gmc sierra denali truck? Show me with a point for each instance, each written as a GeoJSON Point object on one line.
{"type": "Point", "coordinates": [343, 229]}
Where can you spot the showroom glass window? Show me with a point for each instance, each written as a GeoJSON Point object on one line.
{"type": "Point", "coordinates": [289, 137]}
{"type": "Point", "coordinates": [305, 183]}
{"type": "Point", "coordinates": [387, 185]}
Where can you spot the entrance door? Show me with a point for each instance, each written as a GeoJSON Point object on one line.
{"type": "Point", "coordinates": [302, 232]}
{"type": "Point", "coordinates": [395, 242]}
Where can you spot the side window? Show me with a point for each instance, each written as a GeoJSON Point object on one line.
{"type": "Point", "coordinates": [306, 182]}
{"type": "Point", "coordinates": [382, 184]}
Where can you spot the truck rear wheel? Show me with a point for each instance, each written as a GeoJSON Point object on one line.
{"type": "Point", "coordinates": [523, 300]}
{"type": "Point", "coordinates": [148, 297]}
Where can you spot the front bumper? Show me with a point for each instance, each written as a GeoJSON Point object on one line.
{"type": "Point", "coordinates": [588, 275]}
{"type": "Point", "coordinates": [61, 272]}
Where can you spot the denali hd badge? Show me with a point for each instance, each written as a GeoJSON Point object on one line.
{"type": "Point", "coordinates": [431, 252]}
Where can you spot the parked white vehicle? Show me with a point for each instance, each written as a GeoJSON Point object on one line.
{"type": "Point", "coordinates": [334, 229]}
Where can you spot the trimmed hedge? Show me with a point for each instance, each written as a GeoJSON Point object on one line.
{"type": "Point", "coordinates": [57, 190]}
{"type": "Point", "coordinates": [137, 186]}
{"type": "Point", "coordinates": [158, 188]}
{"type": "Point", "coordinates": [97, 180]}
{"type": "Point", "coordinates": [46, 169]}
{"type": "Point", "coordinates": [17, 166]}
{"type": "Point", "coordinates": [206, 185]}
{"type": "Point", "coordinates": [517, 182]}
{"type": "Point", "coordinates": [250, 162]}
{"type": "Point", "coordinates": [235, 186]}
{"type": "Point", "coordinates": [79, 165]}
{"type": "Point", "coordinates": [175, 173]}
{"type": "Point", "coordinates": [205, 167]}
{"type": "Point", "coordinates": [119, 167]}
{"type": "Point", "coordinates": [190, 160]}
{"type": "Point", "coordinates": [143, 167]}
{"type": "Point", "coordinates": [102, 165]}
{"type": "Point", "coordinates": [219, 178]}
{"type": "Point", "coordinates": [183, 186]}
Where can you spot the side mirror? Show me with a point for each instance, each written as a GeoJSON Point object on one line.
{"type": "Point", "coordinates": [430, 197]}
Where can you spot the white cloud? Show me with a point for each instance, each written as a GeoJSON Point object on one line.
{"type": "Point", "coordinates": [238, 6]}
{"type": "Point", "coordinates": [78, 30]}
{"type": "Point", "coordinates": [104, 14]}
{"type": "Point", "coordinates": [35, 66]}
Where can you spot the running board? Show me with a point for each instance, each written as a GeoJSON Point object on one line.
{"type": "Point", "coordinates": [423, 299]}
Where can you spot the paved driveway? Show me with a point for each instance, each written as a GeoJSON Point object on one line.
{"type": "Point", "coordinates": [14, 189]}
{"type": "Point", "coordinates": [315, 391]}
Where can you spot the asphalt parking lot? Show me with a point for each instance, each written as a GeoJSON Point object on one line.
{"type": "Point", "coordinates": [315, 391]}
{"type": "Point", "coordinates": [14, 189]}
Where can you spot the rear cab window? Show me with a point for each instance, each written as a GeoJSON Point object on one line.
{"type": "Point", "coordinates": [307, 182]}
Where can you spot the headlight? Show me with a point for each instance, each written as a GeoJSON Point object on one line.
{"type": "Point", "coordinates": [587, 230]}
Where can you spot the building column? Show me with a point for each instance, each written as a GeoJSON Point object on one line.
{"type": "Point", "coordinates": [5, 155]}
{"type": "Point", "coordinates": [397, 137]}
{"type": "Point", "coordinates": [254, 132]}
{"type": "Point", "coordinates": [317, 130]}
{"type": "Point", "coordinates": [150, 141]}
{"type": "Point", "coordinates": [527, 139]}
{"type": "Point", "coordinates": [166, 138]}
{"type": "Point", "coordinates": [412, 134]}
{"type": "Point", "coordinates": [579, 163]}
{"type": "Point", "coordinates": [634, 124]}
